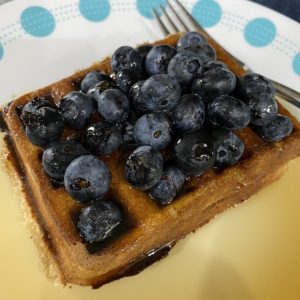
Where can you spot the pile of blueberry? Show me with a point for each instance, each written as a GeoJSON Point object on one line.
{"type": "Point", "coordinates": [175, 109]}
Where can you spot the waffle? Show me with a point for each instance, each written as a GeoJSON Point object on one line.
{"type": "Point", "coordinates": [147, 229]}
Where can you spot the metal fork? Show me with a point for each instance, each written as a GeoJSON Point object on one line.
{"type": "Point", "coordinates": [284, 92]}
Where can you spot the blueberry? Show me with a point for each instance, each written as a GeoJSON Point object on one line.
{"type": "Point", "coordinates": [158, 58]}
{"type": "Point", "coordinates": [214, 83]}
{"type": "Point", "coordinates": [189, 114]}
{"type": "Point", "coordinates": [228, 146]}
{"type": "Point", "coordinates": [214, 64]}
{"type": "Point", "coordinates": [255, 84]}
{"type": "Point", "coordinates": [125, 79]}
{"type": "Point", "coordinates": [97, 221]}
{"type": "Point", "coordinates": [126, 57]}
{"type": "Point", "coordinates": [87, 178]}
{"type": "Point", "coordinates": [102, 138]}
{"type": "Point", "coordinates": [144, 167]}
{"type": "Point", "coordinates": [228, 112]}
{"type": "Point", "coordinates": [59, 155]}
{"type": "Point", "coordinates": [169, 185]}
{"type": "Point", "coordinates": [194, 153]}
{"type": "Point", "coordinates": [96, 90]}
{"type": "Point", "coordinates": [135, 91]}
{"type": "Point", "coordinates": [276, 130]}
{"type": "Point", "coordinates": [91, 79]}
{"type": "Point", "coordinates": [128, 129]}
{"type": "Point", "coordinates": [191, 39]}
{"type": "Point", "coordinates": [76, 109]}
{"type": "Point", "coordinates": [158, 93]}
{"type": "Point", "coordinates": [205, 52]}
{"type": "Point", "coordinates": [154, 130]}
{"type": "Point", "coordinates": [263, 108]}
{"type": "Point", "coordinates": [185, 67]}
{"type": "Point", "coordinates": [143, 51]}
{"type": "Point", "coordinates": [113, 105]}
{"type": "Point", "coordinates": [43, 122]}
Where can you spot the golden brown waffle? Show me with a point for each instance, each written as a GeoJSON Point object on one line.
{"type": "Point", "coordinates": [147, 226]}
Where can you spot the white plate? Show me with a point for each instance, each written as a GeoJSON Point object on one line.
{"type": "Point", "coordinates": [251, 252]}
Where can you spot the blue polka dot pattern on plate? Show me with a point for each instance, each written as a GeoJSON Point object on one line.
{"type": "Point", "coordinates": [296, 64]}
{"type": "Point", "coordinates": [1, 51]}
{"type": "Point", "coordinates": [37, 21]}
{"type": "Point", "coordinates": [207, 12]}
{"type": "Point", "coordinates": [94, 10]}
{"type": "Point", "coordinates": [260, 32]}
{"type": "Point", "coordinates": [145, 7]}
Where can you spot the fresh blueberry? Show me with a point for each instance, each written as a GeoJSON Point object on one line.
{"type": "Point", "coordinates": [59, 155]}
{"type": "Point", "coordinates": [158, 58]}
{"type": "Point", "coordinates": [228, 146]}
{"type": "Point", "coordinates": [255, 84]}
{"type": "Point", "coordinates": [43, 122]}
{"type": "Point", "coordinates": [263, 108]}
{"type": "Point", "coordinates": [214, 64]}
{"type": "Point", "coordinates": [276, 130]}
{"type": "Point", "coordinates": [169, 185]}
{"type": "Point", "coordinates": [154, 130]}
{"type": "Point", "coordinates": [191, 39]}
{"type": "Point", "coordinates": [135, 91]}
{"type": "Point", "coordinates": [194, 153]}
{"type": "Point", "coordinates": [144, 167]}
{"type": "Point", "coordinates": [185, 67]}
{"type": "Point", "coordinates": [97, 221]}
{"type": "Point", "coordinates": [126, 57]}
{"type": "Point", "coordinates": [87, 178]}
{"type": "Point", "coordinates": [76, 109]}
{"type": "Point", "coordinates": [96, 90]}
{"type": "Point", "coordinates": [189, 114]}
{"type": "Point", "coordinates": [158, 93]}
{"type": "Point", "coordinates": [228, 112]}
{"type": "Point", "coordinates": [205, 52]}
{"type": "Point", "coordinates": [102, 138]}
{"type": "Point", "coordinates": [125, 79]}
{"type": "Point", "coordinates": [91, 79]}
{"type": "Point", "coordinates": [143, 51]}
{"type": "Point", "coordinates": [113, 105]}
{"type": "Point", "coordinates": [128, 130]}
{"type": "Point", "coordinates": [214, 83]}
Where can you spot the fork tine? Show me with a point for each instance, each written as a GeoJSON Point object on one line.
{"type": "Point", "coordinates": [169, 18]}
{"type": "Point", "coordinates": [164, 29]}
{"type": "Point", "coordinates": [177, 16]}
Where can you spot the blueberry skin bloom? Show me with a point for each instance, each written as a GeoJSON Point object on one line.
{"type": "Point", "coordinates": [57, 157]}
{"type": "Point", "coordinates": [214, 64]}
{"type": "Point", "coordinates": [159, 93]}
{"type": "Point", "coordinates": [113, 105]}
{"type": "Point", "coordinates": [189, 114]}
{"type": "Point", "coordinates": [102, 138]}
{"type": "Point", "coordinates": [158, 58]}
{"type": "Point", "coordinates": [76, 109]}
{"type": "Point", "coordinates": [144, 167]}
{"type": "Point", "coordinates": [228, 146]}
{"type": "Point", "coordinates": [276, 130]}
{"type": "Point", "coordinates": [87, 178]}
{"type": "Point", "coordinates": [185, 67]}
{"type": "Point", "coordinates": [154, 130]}
{"type": "Point", "coordinates": [97, 221]}
{"type": "Point", "coordinates": [228, 112]}
{"type": "Point", "coordinates": [126, 57]}
{"type": "Point", "coordinates": [169, 186]}
{"type": "Point", "coordinates": [92, 78]}
{"type": "Point", "coordinates": [205, 53]}
{"type": "Point", "coordinates": [194, 153]}
{"type": "Point", "coordinates": [214, 83]}
{"type": "Point", "coordinates": [190, 39]}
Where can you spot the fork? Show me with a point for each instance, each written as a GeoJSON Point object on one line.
{"type": "Point", "coordinates": [284, 92]}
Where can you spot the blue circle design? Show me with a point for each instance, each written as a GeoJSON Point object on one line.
{"type": "Point", "coordinates": [94, 10]}
{"type": "Point", "coordinates": [207, 12]}
{"type": "Point", "coordinates": [260, 32]}
{"type": "Point", "coordinates": [37, 21]}
{"type": "Point", "coordinates": [296, 64]}
{"type": "Point", "coordinates": [145, 7]}
{"type": "Point", "coordinates": [1, 51]}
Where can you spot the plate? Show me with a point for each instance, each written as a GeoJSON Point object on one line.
{"type": "Point", "coordinates": [250, 252]}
